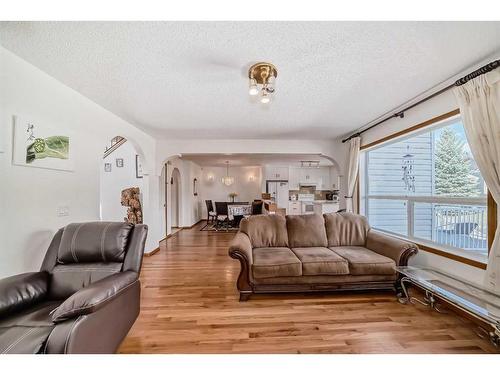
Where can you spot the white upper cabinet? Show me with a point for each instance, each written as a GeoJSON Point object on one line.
{"type": "Point", "coordinates": [294, 178]}
{"type": "Point", "coordinates": [309, 176]}
{"type": "Point", "coordinates": [276, 173]}
{"type": "Point", "coordinates": [319, 177]}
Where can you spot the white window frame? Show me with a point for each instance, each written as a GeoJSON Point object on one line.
{"type": "Point", "coordinates": [412, 199]}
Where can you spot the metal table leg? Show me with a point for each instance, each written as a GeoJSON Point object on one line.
{"type": "Point", "coordinates": [429, 299]}
{"type": "Point", "coordinates": [495, 335]}
{"type": "Point", "coordinates": [405, 297]}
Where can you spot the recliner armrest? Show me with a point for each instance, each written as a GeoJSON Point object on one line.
{"type": "Point", "coordinates": [23, 290]}
{"type": "Point", "coordinates": [395, 248]}
{"type": "Point", "coordinates": [94, 296]}
{"type": "Point", "coordinates": [240, 246]}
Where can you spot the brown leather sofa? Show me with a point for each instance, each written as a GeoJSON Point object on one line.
{"type": "Point", "coordinates": [85, 297]}
{"type": "Point", "coordinates": [304, 253]}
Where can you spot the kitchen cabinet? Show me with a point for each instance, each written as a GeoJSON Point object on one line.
{"type": "Point", "coordinates": [319, 177]}
{"type": "Point", "coordinates": [308, 176]}
{"type": "Point", "coordinates": [294, 178]}
{"type": "Point", "coordinates": [294, 208]}
{"type": "Point", "coordinates": [276, 173]}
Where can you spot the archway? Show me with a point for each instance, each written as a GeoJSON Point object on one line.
{"type": "Point", "coordinates": [120, 168]}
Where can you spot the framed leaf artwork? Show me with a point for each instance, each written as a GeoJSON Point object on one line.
{"type": "Point", "coordinates": [42, 145]}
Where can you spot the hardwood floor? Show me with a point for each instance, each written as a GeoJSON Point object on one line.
{"type": "Point", "coordinates": [190, 305]}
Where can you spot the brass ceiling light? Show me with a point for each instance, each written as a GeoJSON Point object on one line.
{"type": "Point", "coordinates": [264, 75]}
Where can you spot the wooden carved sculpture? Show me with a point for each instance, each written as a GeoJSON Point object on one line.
{"type": "Point", "coordinates": [131, 199]}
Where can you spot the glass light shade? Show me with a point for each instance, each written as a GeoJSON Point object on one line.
{"type": "Point", "coordinates": [270, 84]}
{"type": "Point", "coordinates": [265, 97]}
{"type": "Point", "coordinates": [227, 180]}
{"type": "Point", "coordinates": [252, 88]}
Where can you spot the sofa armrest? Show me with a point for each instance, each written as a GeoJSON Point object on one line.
{"type": "Point", "coordinates": [397, 249]}
{"type": "Point", "coordinates": [94, 296]}
{"type": "Point", "coordinates": [240, 246]}
{"type": "Point", "coordinates": [20, 291]}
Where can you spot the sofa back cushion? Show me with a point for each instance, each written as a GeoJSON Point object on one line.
{"type": "Point", "coordinates": [306, 231]}
{"type": "Point", "coordinates": [265, 230]}
{"type": "Point", "coordinates": [346, 229]}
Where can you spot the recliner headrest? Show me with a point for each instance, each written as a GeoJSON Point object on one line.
{"type": "Point", "coordinates": [94, 242]}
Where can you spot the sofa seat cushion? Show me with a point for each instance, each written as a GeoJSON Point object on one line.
{"type": "Point", "coordinates": [321, 261]}
{"type": "Point", "coordinates": [275, 262]}
{"type": "Point", "coordinates": [26, 331]}
{"type": "Point", "coordinates": [363, 261]}
{"type": "Point", "coordinates": [34, 316]}
{"type": "Point", "coordinates": [23, 339]}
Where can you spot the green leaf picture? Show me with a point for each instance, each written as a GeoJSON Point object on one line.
{"type": "Point", "coordinates": [56, 146]}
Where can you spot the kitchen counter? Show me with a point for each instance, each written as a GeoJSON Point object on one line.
{"type": "Point", "coordinates": [325, 207]}
{"type": "Point", "coordinates": [299, 207]}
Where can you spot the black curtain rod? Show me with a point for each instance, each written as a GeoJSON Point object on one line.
{"type": "Point", "coordinates": [476, 73]}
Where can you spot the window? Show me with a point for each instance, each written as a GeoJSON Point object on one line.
{"type": "Point", "coordinates": [426, 186]}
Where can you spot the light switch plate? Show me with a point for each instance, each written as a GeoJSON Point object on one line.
{"type": "Point", "coordinates": [62, 211]}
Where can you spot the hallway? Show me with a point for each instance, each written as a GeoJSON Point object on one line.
{"type": "Point", "coordinates": [190, 305]}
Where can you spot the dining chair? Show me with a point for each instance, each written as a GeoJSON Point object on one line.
{"type": "Point", "coordinates": [221, 218]}
{"type": "Point", "coordinates": [211, 215]}
{"type": "Point", "coordinates": [257, 207]}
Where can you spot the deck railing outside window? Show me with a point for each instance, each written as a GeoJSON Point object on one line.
{"type": "Point", "coordinates": [451, 222]}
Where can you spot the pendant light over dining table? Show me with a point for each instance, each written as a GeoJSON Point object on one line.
{"type": "Point", "coordinates": [227, 180]}
{"type": "Point", "coordinates": [262, 77]}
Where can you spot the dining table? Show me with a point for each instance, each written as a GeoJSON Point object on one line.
{"type": "Point", "coordinates": [236, 212]}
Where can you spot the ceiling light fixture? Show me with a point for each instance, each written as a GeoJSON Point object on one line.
{"type": "Point", "coordinates": [227, 180]}
{"type": "Point", "coordinates": [262, 77]}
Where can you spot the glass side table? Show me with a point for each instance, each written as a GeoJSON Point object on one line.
{"type": "Point", "coordinates": [469, 298]}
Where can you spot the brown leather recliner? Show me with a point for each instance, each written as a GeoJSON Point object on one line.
{"type": "Point", "coordinates": [85, 297]}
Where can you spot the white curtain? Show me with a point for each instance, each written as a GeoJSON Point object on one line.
{"type": "Point", "coordinates": [479, 101]}
{"type": "Point", "coordinates": [352, 173]}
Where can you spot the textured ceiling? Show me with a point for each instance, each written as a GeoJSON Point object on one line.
{"type": "Point", "coordinates": [188, 79]}
{"type": "Point", "coordinates": [247, 160]}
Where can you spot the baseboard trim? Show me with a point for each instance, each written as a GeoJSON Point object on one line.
{"type": "Point", "coordinates": [151, 253]}
{"type": "Point", "coordinates": [195, 224]}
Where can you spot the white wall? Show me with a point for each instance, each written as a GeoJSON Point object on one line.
{"type": "Point", "coordinates": [30, 196]}
{"type": "Point", "coordinates": [437, 106]}
{"type": "Point", "coordinates": [218, 192]}
{"type": "Point", "coordinates": [112, 183]}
